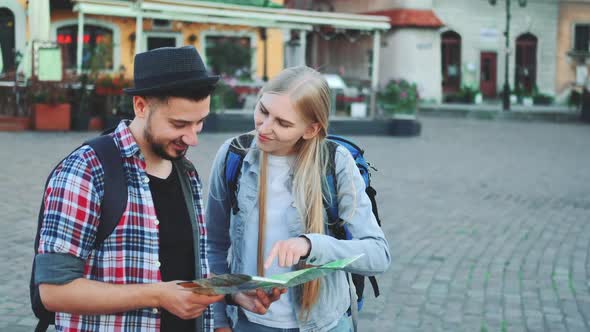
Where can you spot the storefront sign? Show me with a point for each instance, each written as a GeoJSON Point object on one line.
{"type": "Point", "coordinates": [50, 67]}
{"type": "Point", "coordinates": [489, 34]}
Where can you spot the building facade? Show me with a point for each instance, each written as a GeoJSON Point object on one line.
{"type": "Point", "coordinates": [447, 45]}
{"type": "Point", "coordinates": [473, 45]}
{"type": "Point", "coordinates": [245, 41]}
{"type": "Point", "coordinates": [117, 36]}
{"type": "Point", "coordinates": [573, 47]}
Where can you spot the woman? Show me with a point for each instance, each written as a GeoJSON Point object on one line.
{"type": "Point", "coordinates": [282, 174]}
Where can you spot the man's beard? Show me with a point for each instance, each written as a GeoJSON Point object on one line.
{"type": "Point", "coordinates": [159, 148]}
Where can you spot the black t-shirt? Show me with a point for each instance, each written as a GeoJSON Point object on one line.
{"type": "Point", "coordinates": [177, 258]}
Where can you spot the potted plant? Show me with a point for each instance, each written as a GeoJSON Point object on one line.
{"type": "Point", "coordinates": [527, 97]}
{"type": "Point", "coordinates": [50, 107]}
{"type": "Point", "coordinates": [109, 94]}
{"type": "Point", "coordinates": [516, 94]}
{"type": "Point", "coordinates": [468, 94]}
{"type": "Point", "coordinates": [540, 98]}
{"type": "Point", "coordinates": [104, 85]}
{"type": "Point", "coordinates": [400, 98]}
{"type": "Point", "coordinates": [478, 98]}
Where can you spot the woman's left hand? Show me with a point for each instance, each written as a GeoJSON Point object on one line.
{"type": "Point", "coordinates": [288, 252]}
{"type": "Point", "coordinates": [258, 301]}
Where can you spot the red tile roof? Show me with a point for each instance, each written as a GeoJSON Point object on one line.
{"type": "Point", "coordinates": [410, 18]}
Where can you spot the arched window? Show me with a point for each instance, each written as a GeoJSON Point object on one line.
{"type": "Point", "coordinates": [526, 62]}
{"type": "Point", "coordinates": [7, 42]}
{"type": "Point", "coordinates": [97, 52]}
{"type": "Point", "coordinates": [451, 61]}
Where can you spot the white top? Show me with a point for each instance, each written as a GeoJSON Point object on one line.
{"type": "Point", "coordinates": [281, 313]}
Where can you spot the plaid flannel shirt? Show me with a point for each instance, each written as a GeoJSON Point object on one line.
{"type": "Point", "coordinates": [130, 254]}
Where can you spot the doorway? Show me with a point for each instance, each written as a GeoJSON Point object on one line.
{"type": "Point", "coordinates": [526, 62]}
{"type": "Point", "coordinates": [488, 74]}
{"type": "Point", "coordinates": [451, 62]}
{"type": "Point", "coordinates": [7, 40]}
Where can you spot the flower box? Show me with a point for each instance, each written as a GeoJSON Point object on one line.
{"type": "Point", "coordinates": [51, 116]}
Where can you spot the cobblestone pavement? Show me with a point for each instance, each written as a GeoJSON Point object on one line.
{"type": "Point", "coordinates": [488, 224]}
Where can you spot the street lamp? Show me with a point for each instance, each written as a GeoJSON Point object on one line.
{"type": "Point", "coordinates": [506, 90]}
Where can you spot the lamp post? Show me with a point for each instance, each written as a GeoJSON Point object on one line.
{"type": "Point", "coordinates": [506, 89]}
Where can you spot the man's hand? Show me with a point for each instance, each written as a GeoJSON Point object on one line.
{"type": "Point", "coordinates": [288, 252]}
{"type": "Point", "coordinates": [258, 301]}
{"type": "Point", "coordinates": [223, 329]}
{"type": "Point", "coordinates": [183, 303]}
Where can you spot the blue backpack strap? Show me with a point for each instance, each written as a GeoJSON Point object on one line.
{"type": "Point", "coordinates": [331, 192]}
{"type": "Point", "coordinates": [114, 200]}
{"type": "Point", "coordinates": [339, 230]}
{"type": "Point", "coordinates": [236, 152]}
{"type": "Point", "coordinates": [357, 154]}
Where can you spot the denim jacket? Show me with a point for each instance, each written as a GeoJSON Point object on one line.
{"type": "Point", "coordinates": [227, 233]}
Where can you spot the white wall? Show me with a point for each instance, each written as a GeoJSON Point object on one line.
{"type": "Point", "coordinates": [414, 55]}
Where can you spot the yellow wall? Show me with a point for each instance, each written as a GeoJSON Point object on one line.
{"type": "Point", "coordinates": [274, 40]}
{"type": "Point", "coordinates": [569, 14]}
{"type": "Point", "coordinates": [127, 47]}
{"type": "Point", "coordinates": [274, 55]}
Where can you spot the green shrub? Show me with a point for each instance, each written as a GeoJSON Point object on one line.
{"type": "Point", "coordinates": [399, 96]}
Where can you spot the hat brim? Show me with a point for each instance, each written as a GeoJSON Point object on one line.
{"type": "Point", "coordinates": [187, 84]}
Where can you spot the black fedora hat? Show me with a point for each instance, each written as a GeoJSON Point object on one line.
{"type": "Point", "coordinates": [167, 69]}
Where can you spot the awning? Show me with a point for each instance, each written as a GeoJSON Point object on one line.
{"type": "Point", "coordinates": [214, 12]}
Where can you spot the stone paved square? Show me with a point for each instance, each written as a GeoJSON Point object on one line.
{"type": "Point", "coordinates": [488, 224]}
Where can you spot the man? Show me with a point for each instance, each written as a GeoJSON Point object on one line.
{"type": "Point", "coordinates": [129, 282]}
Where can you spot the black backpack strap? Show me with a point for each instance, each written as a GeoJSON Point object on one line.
{"type": "Point", "coordinates": [43, 325]}
{"type": "Point", "coordinates": [112, 207]}
{"type": "Point", "coordinates": [372, 193]}
{"type": "Point", "coordinates": [45, 317]}
{"type": "Point", "coordinates": [114, 200]}
{"type": "Point", "coordinates": [184, 166]}
{"type": "Point", "coordinates": [232, 169]}
{"type": "Point", "coordinates": [375, 286]}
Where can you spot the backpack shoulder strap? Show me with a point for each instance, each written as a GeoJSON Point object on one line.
{"type": "Point", "coordinates": [236, 152]}
{"type": "Point", "coordinates": [185, 165]}
{"type": "Point", "coordinates": [338, 230]}
{"type": "Point", "coordinates": [112, 207]}
{"type": "Point", "coordinates": [331, 192]}
{"type": "Point", "coordinates": [114, 200]}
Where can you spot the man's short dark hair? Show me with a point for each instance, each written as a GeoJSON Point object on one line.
{"type": "Point", "coordinates": [195, 94]}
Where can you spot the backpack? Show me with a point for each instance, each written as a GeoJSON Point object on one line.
{"type": "Point", "coordinates": [233, 164]}
{"type": "Point", "coordinates": [112, 207]}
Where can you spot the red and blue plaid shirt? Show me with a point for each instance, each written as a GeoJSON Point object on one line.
{"type": "Point", "coordinates": [130, 254]}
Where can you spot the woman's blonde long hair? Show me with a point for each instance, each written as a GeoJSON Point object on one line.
{"type": "Point", "coordinates": [310, 96]}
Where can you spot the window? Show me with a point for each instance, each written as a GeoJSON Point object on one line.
{"type": "Point", "coordinates": [162, 24]}
{"type": "Point", "coordinates": [451, 61]}
{"type": "Point", "coordinates": [582, 37]}
{"type": "Point", "coordinates": [229, 56]}
{"type": "Point", "coordinates": [97, 52]}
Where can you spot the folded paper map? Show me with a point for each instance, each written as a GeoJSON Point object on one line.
{"type": "Point", "coordinates": [232, 283]}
